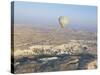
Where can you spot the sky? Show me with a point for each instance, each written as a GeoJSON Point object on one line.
{"type": "Point", "coordinates": [47, 14]}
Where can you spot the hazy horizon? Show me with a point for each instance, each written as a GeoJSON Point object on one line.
{"type": "Point", "coordinates": [47, 14]}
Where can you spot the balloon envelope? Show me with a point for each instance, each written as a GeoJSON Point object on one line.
{"type": "Point", "coordinates": [63, 20]}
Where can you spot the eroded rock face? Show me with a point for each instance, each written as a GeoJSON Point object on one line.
{"type": "Point", "coordinates": [60, 64]}
{"type": "Point", "coordinates": [46, 58]}
{"type": "Point", "coordinates": [72, 48]}
{"type": "Point", "coordinates": [91, 65]}
{"type": "Point", "coordinates": [63, 63]}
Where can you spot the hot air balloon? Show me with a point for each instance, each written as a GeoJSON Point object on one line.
{"type": "Point", "coordinates": [63, 20]}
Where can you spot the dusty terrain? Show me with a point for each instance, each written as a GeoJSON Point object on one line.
{"type": "Point", "coordinates": [44, 50]}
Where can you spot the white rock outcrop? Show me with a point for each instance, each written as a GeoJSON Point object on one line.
{"type": "Point", "coordinates": [70, 48]}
